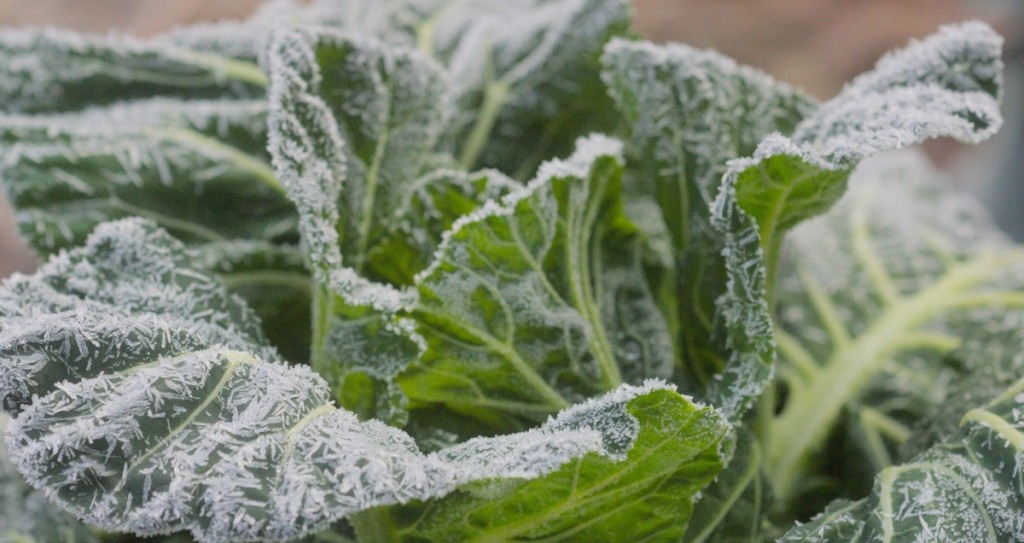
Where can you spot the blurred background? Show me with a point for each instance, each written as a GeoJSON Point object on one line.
{"type": "Point", "coordinates": [815, 44]}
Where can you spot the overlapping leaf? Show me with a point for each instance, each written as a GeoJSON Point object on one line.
{"type": "Point", "coordinates": [353, 123]}
{"type": "Point", "coordinates": [538, 302]}
{"type": "Point", "coordinates": [525, 75]}
{"type": "Point", "coordinates": [53, 70]}
{"type": "Point", "coordinates": [877, 293]}
{"type": "Point", "coordinates": [146, 401]}
{"type": "Point", "coordinates": [967, 488]}
{"type": "Point", "coordinates": [690, 112]}
{"type": "Point", "coordinates": [647, 496]}
{"type": "Point", "coordinates": [947, 85]}
{"type": "Point", "coordinates": [199, 169]}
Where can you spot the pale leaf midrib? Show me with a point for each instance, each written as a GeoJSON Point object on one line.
{"type": "Point", "coordinates": [812, 407]}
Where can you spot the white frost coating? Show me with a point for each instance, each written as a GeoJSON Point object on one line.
{"type": "Point", "coordinates": [313, 147]}
{"type": "Point", "coordinates": [49, 68]}
{"type": "Point", "coordinates": [307, 148]}
{"type": "Point", "coordinates": [26, 515]}
{"type": "Point", "coordinates": [134, 116]}
{"type": "Point", "coordinates": [698, 104]}
{"type": "Point", "coordinates": [237, 449]}
{"type": "Point", "coordinates": [578, 165]}
{"type": "Point", "coordinates": [152, 425]}
{"type": "Point", "coordinates": [947, 85]}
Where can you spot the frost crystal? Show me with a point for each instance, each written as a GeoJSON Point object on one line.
{"type": "Point", "coordinates": [140, 408]}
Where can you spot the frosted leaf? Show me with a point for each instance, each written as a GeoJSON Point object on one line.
{"type": "Point", "coordinates": [54, 70]}
{"type": "Point", "coordinates": [518, 68]}
{"type": "Point", "coordinates": [595, 498]}
{"type": "Point", "coordinates": [430, 206]}
{"type": "Point", "coordinates": [26, 515]}
{"type": "Point", "coordinates": [947, 85]}
{"type": "Point", "coordinates": [690, 111]}
{"type": "Point", "coordinates": [354, 112]}
{"type": "Point", "coordinates": [353, 122]}
{"type": "Point", "coordinates": [197, 168]}
{"type": "Point", "coordinates": [171, 414]}
{"type": "Point", "coordinates": [965, 489]}
{"type": "Point", "coordinates": [523, 68]}
{"type": "Point", "coordinates": [890, 301]}
{"type": "Point", "coordinates": [539, 299]}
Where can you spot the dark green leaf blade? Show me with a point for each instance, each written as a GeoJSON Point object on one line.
{"type": "Point", "coordinates": [646, 496]}
{"type": "Point", "coordinates": [539, 301]}
{"type": "Point", "coordinates": [199, 169]}
{"type": "Point", "coordinates": [141, 407]}
{"type": "Point", "coordinates": [524, 71]}
{"type": "Point", "coordinates": [352, 124]}
{"type": "Point", "coordinates": [429, 208]}
{"type": "Point", "coordinates": [690, 112]}
{"type": "Point", "coordinates": [26, 516]}
{"type": "Point", "coordinates": [58, 70]}
{"type": "Point", "coordinates": [734, 508]}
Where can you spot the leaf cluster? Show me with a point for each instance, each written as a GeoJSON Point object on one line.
{"type": "Point", "coordinates": [489, 270]}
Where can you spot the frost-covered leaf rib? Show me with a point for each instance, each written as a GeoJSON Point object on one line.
{"type": "Point", "coordinates": [884, 290]}
{"type": "Point", "coordinates": [538, 299]}
{"type": "Point", "coordinates": [966, 488]}
{"type": "Point", "coordinates": [58, 70]}
{"type": "Point", "coordinates": [164, 427]}
{"type": "Point", "coordinates": [922, 92]}
{"type": "Point", "coordinates": [197, 168]}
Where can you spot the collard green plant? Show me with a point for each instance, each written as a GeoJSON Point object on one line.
{"type": "Point", "coordinates": [432, 270]}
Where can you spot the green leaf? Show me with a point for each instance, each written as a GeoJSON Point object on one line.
{"type": "Point", "coordinates": [648, 495]}
{"type": "Point", "coordinates": [26, 516]}
{"type": "Point", "coordinates": [734, 508]}
{"type": "Point", "coordinates": [539, 302]}
{"type": "Point", "coordinates": [353, 122]}
{"type": "Point", "coordinates": [525, 75]}
{"type": "Point", "coordinates": [366, 117]}
{"type": "Point", "coordinates": [57, 70]}
{"type": "Point", "coordinates": [877, 293]}
{"type": "Point", "coordinates": [197, 168]}
{"type": "Point", "coordinates": [147, 401]}
{"type": "Point", "coordinates": [273, 281]}
{"type": "Point", "coordinates": [430, 207]}
{"type": "Point", "coordinates": [947, 85]}
{"type": "Point", "coordinates": [967, 488]}
{"type": "Point", "coordinates": [690, 112]}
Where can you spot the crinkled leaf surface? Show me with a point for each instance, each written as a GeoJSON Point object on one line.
{"type": "Point", "coordinates": [197, 168]}
{"type": "Point", "coordinates": [648, 496]}
{"type": "Point", "coordinates": [967, 488]}
{"type": "Point", "coordinates": [58, 70]}
{"type": "Point", "coordinates": [875, 296]}
{"type": "Point", "coordinates": [522, 71]}
{"type": "Point", "coordinates": [146, 401]}
{"type": "Point", "coordinates": [525, 75]}
{"type": "Point", "coordinates": [26, 516]}
{"type": "Point", "coordinates": [947, 85]}
{"type": "Point", "coordinates": [430, 207]}
{"type": "Point", "coordinates": [352, 124]}
{"type": "Point", "coordinates": [538, 302]}
{"type": "Point", "coordinates": [690, 112]}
